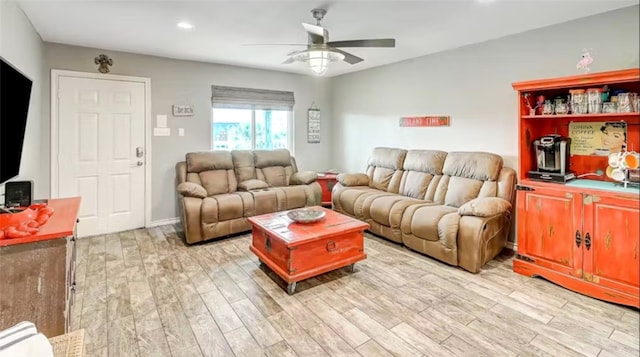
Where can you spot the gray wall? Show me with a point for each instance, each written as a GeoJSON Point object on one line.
{"type": "Point", "coordinates": [21, 46]}
{"type": "Point", "coordinates": [186, 82]}
{"type": "Point", "coordinates": [472, 84]}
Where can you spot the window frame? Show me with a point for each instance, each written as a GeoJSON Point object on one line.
{"type": "Point", "coordinates": [253, 107]}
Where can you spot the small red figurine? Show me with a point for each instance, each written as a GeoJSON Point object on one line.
{"type": "Point", "coordinates": [25, 223]}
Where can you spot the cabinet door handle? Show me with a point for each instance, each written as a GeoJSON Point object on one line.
{"type": "Point", "coordinates": [587, 241]}
{"type": "Point", "coordinates": [331, 246]}
{"type": "Point", "coordinates": [578, 239]}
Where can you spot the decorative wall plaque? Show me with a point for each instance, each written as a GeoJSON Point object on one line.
{"type": "Point", "coordinates": [313, 125]}
{"type": "Point", "coordinates": [104, 61]}
{"type": "Point", "coordinates": [182, 110]}
{"type": "Point", "coordinates": [425, 121]}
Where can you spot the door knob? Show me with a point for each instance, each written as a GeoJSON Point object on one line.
{"type": "Point", "coordinates": [139, 163]}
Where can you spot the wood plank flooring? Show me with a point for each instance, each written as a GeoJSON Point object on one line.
{"type": "Point", "coordinates": [145, 293]}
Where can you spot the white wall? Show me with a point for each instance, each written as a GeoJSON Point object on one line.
{"type": "Point", "coordinates": [21, 46]}
{"type": "Point", "coordinates": [187, 82]}
{"type": "Point", "coordinates": [472, 84]}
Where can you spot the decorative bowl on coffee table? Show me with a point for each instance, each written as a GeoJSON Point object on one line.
{"type": "Point", "coordinates": [306, 215]}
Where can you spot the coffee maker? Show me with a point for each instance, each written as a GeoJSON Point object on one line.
{"type": "Point", "coordinates": [552, 154]}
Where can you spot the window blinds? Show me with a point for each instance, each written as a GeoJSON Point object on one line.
{"type": "Point", "coordinates": [248, 98]}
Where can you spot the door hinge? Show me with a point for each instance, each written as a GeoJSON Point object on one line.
{"type": "Point", "coordinates": [524, 188]}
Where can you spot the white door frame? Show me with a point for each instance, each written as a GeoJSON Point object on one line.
{"type": "Point", "coordinates": [55, 75]}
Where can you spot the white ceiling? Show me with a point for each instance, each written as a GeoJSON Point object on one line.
{"type": "Point", "coordinates": [223, 28]}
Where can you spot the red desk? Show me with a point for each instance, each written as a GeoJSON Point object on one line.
{"type": "Point", "coordinates": [37, 277]}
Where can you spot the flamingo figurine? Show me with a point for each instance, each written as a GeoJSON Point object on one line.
{"type": "Point", "coordinates": [585, 62]}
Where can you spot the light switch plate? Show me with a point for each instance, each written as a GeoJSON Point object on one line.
{"type": "Point", "coordinates": [161, 131]}
{"type": "Point", "coordinates": [161, 121]}
{"type": "Point", "coordinates": [180, 131]}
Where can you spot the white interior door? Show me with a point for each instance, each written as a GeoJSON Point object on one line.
{"type": "Point", "coordinates": [101, 151]}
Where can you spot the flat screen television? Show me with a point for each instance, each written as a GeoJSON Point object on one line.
{"type": "Point", "coordinates": [15, 94]}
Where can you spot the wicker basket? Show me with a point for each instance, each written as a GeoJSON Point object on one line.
{"type": "Point", "coordinates": [68, 345]}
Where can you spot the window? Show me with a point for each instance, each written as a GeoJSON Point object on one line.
{"type": "Point", "coordinates": [245, 119]}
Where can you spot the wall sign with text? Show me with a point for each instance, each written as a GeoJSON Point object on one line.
{"type": "Point", "coordinates": [425, 121]}
{"type": "Point", "coordinates": [182, 110]}
{"type": "Point", "coordinates": [598, 138]}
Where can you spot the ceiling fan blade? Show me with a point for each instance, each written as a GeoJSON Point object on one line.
{"type": "Point", "coordinates": [274, 44]}
{"type": "Point", "coordinates": [292, 53]}
{"type": "Point", "coordinates": [380, 42]}
{"type": "Point", "coordinates": [348, 57]}
{"type": "Point", "coordinates": [289, 60]}
{"type": "Point", "coordinates": [316, 33]}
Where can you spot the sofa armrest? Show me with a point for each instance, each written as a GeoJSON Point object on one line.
{"type": "Point", "coordinates": [485, 207]}
{"type": "Point", "coordinates": [191, 189]}
{"type": "Point", "coordinates": [357, 179]}
{"type": "Point", "coordinates": [190, 217]}
{"type": "Point", "coordinates": [303, 178]}
{"type": "Point", "coordinates": [252, 184]}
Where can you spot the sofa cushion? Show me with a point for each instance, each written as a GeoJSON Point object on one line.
{"type": "Point", "coordinates": [461, 190]}
{"type": "Point", "coordinates": [290, 197]}
{"type": "Point", "coordinates": [481, 166]}
{"type": "Point", "coordinates": [485, 207]}
{"type": "Point", "coordinates": [191, 189]}
{"type": "Point", "coordinates": [387, 157]}
{"type": "Point", "coordinates": [243, 164]}
{"type": "Point", "coordinates": [429, 161]}
{"type": "Point", "coordinates": [210, 160]}
{"type": "Point", "coordinates": [303, 178]}
{"type": "Point", "coordinates": [266, 158]}
{"type": "Point", "coordinates": [221, 208]}
{"type": "Point", "coordinates": [385, 169]}
{"type": "Point", "coordinates": [252, 185]}
{"type": "Point", "coordinates": [275, 176]}
{"type": "Point", "coordinates": [218, 181]}
{"type": "Point", "coordinates": [425, 221]}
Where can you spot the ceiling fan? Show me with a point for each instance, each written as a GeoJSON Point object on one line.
{"type": "Point", "coordinates": [320, 51]}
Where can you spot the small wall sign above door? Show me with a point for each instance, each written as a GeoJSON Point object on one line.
{"type": "Point", "coordinates": [425, 121]}
{"type": "Point", "coordinates": [182, 110]}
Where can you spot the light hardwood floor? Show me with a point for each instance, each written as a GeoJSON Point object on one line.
{"type": "Point", "coordinates": [145, 293]}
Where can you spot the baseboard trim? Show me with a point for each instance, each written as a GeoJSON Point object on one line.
{"type": "Point", "coordinates": [513, 246]}
{"type": "Point", "coordinates": [163, 222]}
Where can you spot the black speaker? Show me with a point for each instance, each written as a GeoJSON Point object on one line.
{"type": "Point", "coordinates": [18, 193]}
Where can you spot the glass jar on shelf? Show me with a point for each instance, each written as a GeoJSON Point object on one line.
{"type": "Point", "coordinates": [579, 101]}
{"type": "Point", "coordinates": [626, 102]}
{"type": "Point", "coordinates": [594, 98]}
{"type": "Point", "coordinates": [561, 107]}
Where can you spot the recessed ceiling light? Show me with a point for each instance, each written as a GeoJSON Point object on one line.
{"type": "Point", "coordinates": [185, 25]}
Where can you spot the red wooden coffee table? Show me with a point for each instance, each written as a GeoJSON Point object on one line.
{"type": "Point", "coordinates": [297, 251]}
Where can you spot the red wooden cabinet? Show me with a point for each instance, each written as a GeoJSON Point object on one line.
{"type": "Point", "coordinates": [611, 247]}
{"type": "Point", "coordinates": [584, 234]}
{"type": "Point", "coordinates": [548, 219]}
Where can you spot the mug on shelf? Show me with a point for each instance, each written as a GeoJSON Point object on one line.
{"type": "Point", "coordinates": [624, 160]}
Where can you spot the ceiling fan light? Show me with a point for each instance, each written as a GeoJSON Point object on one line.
{"type": "Point", "coordinates": [319, 60]}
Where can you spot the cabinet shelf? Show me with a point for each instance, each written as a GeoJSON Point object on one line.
{"type": "Point", "coordinates": [592, 115]}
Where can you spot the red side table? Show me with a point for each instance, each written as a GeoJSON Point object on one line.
{"type": "Point", "coordinates": [327, 181]}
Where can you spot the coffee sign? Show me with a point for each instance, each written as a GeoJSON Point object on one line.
{"type": "Point", "coordinates": [598, 138]}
